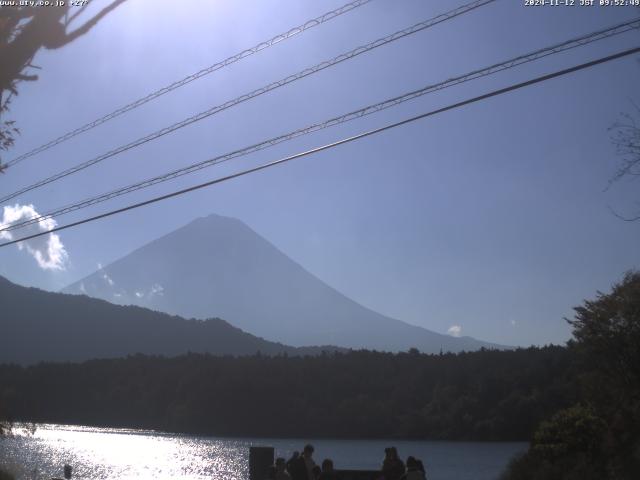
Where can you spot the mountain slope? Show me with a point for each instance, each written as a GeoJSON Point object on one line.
{"type": "Point", "coordinates": [218, 266]}
{"type": "Point", "coordinates": [44, 326]}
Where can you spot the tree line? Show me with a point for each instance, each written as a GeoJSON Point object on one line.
{"type": "Point", "coordinates": [484, 395]}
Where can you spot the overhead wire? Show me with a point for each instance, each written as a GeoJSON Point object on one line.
{"type": "Point", "coordinates": [255, 93]}
{"type": "Point", "coordinates": [343, 141]}
{"type": "Point", "coordinates": [582, 40]}
{"type": "Point", "coordinates": [190, 78]}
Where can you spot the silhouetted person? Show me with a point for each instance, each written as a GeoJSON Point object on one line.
{"type": "Point", "coordinates": [392, 466]}
{"type": "Point", "coordinates": [291, 463]}
{"type": "Point", "coordinates": [303, 466]}
{"type": "Point", "coordinates": [327, 470]}
{"type": "Point", "coordinates": [421, 466]}
{"type": "Point", "coordinates": [413, 470]}
{"type": "Point", "coordinates": [67, 472]}
{"type": "Point", "coordinates": [281, 470]}
{"type": "Point", "coordinates": [316, 472]}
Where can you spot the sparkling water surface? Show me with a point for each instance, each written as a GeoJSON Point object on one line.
{"type": "Point", "coordinates": [107, 453]}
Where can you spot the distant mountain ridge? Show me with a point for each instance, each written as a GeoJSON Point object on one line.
{"type": "Point", "coordinates": [43, 326]}
{"type": "Point", "coordinates": [219, 267]}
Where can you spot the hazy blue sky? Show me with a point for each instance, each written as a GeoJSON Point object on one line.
{"type": "Point", "coordinates": [493, 217]}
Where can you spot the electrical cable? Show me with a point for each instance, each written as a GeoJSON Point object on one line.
{"type": "Point", "coordinates": [190, 78]}
{"type": "Point", "coordinates": [370, 109]}
{"type": "Point", "coordinates": [359, 136]}
{"type": "Point", "coordinates": [255, 93]}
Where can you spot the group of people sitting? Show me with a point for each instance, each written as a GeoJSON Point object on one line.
{"type": "Point", "coordinates": [393, 468]}
{"type": "Point", "coordinates": [303, 467]}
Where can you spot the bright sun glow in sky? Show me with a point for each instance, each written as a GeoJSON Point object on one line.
{"type": "Point", "coordinates": [494, 219]}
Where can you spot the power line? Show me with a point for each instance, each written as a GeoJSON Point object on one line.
{"type": "Point", "coordinates": [359, 136]}
{"type": "Point", "coordinates": [255, 93]}
{"type": "Point", "coordinates": [370, 109]}
{"type": "Point", "coordinates": [195, 76]}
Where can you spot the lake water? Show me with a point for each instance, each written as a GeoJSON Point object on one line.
{"type": "Point", "coordinates": [104, 453]}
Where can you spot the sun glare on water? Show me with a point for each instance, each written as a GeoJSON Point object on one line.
{"type": "Point", "coordinates": [119, 453]}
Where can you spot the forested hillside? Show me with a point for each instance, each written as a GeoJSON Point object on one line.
{"type": "Point", "coordinates": [489, 395]}
{"type": "Point", "coordinates": [42, 326]}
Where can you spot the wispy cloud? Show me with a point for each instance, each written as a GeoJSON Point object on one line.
{"type": "Point", "coordinates": [455, 330]}
{"type": "Point", "coordinates": [48, 250]}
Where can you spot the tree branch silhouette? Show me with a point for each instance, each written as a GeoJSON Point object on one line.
{"type": "Point", "coordinates": [626, 139]}
{"type": "Point", "coordinates": [23, 32]}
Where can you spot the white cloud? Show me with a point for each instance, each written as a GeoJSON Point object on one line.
{"type": "Point", "coordinates": [47, 250]}
{"type": "Point", "coordinates": [139, 294]}
{"type": "Point", "coordinates": [156, 289]}
{"type": "Point", "coordinates": [513, 323]}
{"type": "Point", "coordinates": [82, 288]}
{"type": "Point", "coordinates": [455, 330]}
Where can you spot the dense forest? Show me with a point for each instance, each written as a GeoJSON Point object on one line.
{"type": "Point", "coordinates": [487, 395]}
{"type": "Point", "coordinates": [599, 435]}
